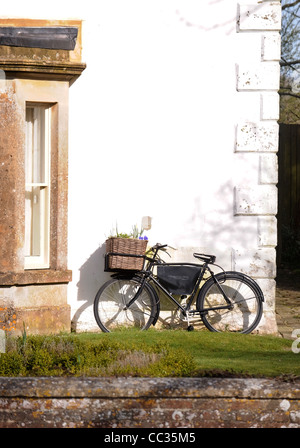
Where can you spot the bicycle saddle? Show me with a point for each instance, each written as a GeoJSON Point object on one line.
{"type": "Point", "coordinates": [205, 257]}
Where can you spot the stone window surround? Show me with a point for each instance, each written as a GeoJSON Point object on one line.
{"type": "Point", "coordinates": [56, 94]}
{"type": "Point", "coordinates": [44, 78]}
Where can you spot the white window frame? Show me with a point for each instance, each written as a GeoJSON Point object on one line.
{"type": "Point", "coordinates": [41, 234]}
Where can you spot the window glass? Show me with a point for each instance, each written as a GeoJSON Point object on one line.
{"type": "Point", "coordinates": [37, 191]}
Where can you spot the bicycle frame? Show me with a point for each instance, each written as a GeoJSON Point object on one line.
{"type": "Point", "coordinates": [220, 300]}
{"type": "Point", "coordinates": [147, 276]}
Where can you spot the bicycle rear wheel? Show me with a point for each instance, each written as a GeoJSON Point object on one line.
{"type": "Point", "coordinates": [110, 302]}
{"type": "Point", "coordinates": [245, 295]}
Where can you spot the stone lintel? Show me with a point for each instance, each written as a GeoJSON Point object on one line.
{"type": "Point", "coordinates": [56, 71]}
{"type": "Point", "coordinates": [38, 276]}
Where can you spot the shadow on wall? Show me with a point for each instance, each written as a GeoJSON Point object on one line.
{"type": "Point", "coordinates": [92, 276]}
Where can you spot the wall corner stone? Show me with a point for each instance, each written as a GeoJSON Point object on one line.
{"type": "Point", "coordinates": [257, 137]}
{"type": "Point", "coordinates": [268, 169]}
{"type": "Point", "coordinates": [259, 16]}
{"type": "Point", "coordinates": [269, 106]}
{"type": "Point", "coordinates": [261, 76]}
{"type": "Point", "coordinates": [271, 47]}
{"type": "Point", "coordinates": [257, 263]}
{"type": "Point", "coordinates": [267, 231]}
{"type": "Point", "coordinates": [258, 200]}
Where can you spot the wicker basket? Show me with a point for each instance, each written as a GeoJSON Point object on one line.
{"type": "Point", "coordinates": [130, 246]}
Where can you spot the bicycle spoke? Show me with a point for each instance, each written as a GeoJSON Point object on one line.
{"type": "Point", "coordinates": [244, 313]}
{"type": "Point", "coordinates": [245, 299]}
{"type": "Point", "coordinates": [110, 307]}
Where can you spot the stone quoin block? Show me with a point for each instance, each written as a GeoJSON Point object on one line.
{"type": "Point", "coordinates": [258, 263]}
{"type": "Point", "coordinates": [268, 169]}
{"type": "Point", "coordinates": [267, 231]}
{"type": "Point", "coordinates": [271, 47]}
{"type": "Point", "coordinates": [268, 286]}
{"type": "Point", "coordinates": [269, 106]}
{"type": "Point", "coordinates": [257, 137]}
{"type": "Point", "coordinates": [263, 76]}
{"type": "Point", "coordinates": [260, 16]}
{"type": "Point", "coordinates": [260, 200]}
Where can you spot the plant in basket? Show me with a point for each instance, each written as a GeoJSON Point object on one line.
{"type": "Point", "coordinates": [125, 250]}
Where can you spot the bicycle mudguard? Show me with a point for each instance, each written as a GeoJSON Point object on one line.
{"type": "Point", "coordinates": [124, 275]}
{"type": "Point", "coordinates": [244, 276]}
{"type": "Point", "coordinates": [157, 301]}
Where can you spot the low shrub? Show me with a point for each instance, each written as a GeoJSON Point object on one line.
{"type": "Point", "coordinates": [66, 355]}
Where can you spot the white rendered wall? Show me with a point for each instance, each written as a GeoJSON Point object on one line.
{"type": "Point", "coordinates": [175, 118]}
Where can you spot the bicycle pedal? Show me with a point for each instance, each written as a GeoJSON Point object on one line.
{"type": "Point", "coordinates": [190, 328]}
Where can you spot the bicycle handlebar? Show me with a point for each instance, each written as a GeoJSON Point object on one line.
{"type": "Point", "coordinates": [159, 246]}
{"type": "Point", "coordinates": [155, 249]}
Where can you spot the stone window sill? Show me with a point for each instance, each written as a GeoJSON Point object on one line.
{"type": "Point", "coordinates": [36, 277]}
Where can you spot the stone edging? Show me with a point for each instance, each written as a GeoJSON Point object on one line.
{"type": "Point", "coordinates": [55, 402]}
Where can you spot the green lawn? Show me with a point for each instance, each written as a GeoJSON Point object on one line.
{"type": "Point", "coordinates": [215, 352]}
{"type": "Point", "coordinates": [150, 353]}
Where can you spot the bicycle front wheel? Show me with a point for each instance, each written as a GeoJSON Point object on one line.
{"type": "Point", "coordinates": [245, 295]}
{"type": "Point", "coordinates": [110, 305]}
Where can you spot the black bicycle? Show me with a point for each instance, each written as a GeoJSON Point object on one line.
{"type": "Point", "coordinates": [226, 301]}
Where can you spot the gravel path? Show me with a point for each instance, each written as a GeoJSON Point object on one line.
{"type": "Point", "coordinates": [288, 302]}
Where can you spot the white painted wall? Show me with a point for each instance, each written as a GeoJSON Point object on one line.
{"type": "Point", "coordinates": [175, 117]}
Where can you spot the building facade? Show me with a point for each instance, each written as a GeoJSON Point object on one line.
{"type": "Point", "coordinates": [166, 109]}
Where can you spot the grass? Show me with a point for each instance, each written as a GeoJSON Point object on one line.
{"type": "Point", "coordinates": [221, 354]}
{"type": "Point", "coordinates": [150, 353]}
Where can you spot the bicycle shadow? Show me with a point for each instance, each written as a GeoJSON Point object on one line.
{"type": "Point", "coordinates": [172, 320]}
{"type": "Point", "coordinates": [91, 277]}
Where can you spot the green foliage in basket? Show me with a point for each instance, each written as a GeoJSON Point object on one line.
{"type": "Point", "coordinates": [135, 233]}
